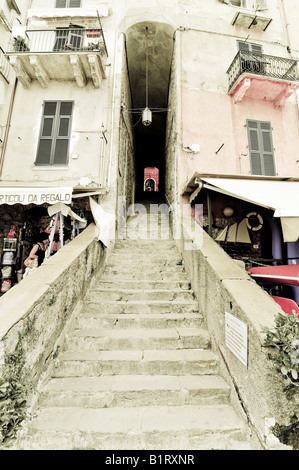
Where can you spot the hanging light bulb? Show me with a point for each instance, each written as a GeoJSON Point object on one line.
{"type": "Point", "coordinates": [146, 117]}
{"type": "Point", "coordinates": [146, 113]}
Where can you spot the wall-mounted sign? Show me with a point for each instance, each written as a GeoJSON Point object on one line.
{"type": "Point", "coordinates": [236, 337]}
{"type": "Point", "coordinates": [35, 195]}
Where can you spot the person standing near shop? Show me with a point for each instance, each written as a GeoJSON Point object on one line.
{"type": "Point", "coordinates": [38, 251]}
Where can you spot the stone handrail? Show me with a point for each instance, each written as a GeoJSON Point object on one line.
{"type": "Point", "coordinates": [34, 313]}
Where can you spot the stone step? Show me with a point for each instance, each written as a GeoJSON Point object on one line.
{"type": "Point", "coordinates": [143, 362]}
{"type": "Point", "coordinates": [113, 273]}
{"type": "Point", "coordinates": [102, 294]}
{"type": "Point", "coordinates": [127, 339]}
{"type": "Point", "coordinates": [141, 306]}
{"type": "Point", "coordinates": [131, 320]}
{"type": "Point", "coordinates": [141, 264]}
{"type": "Point", "coordinates": [149, 234]}
{"type": "Point", "coordinates": [146, 249]}
{"type": "Point", "coordinates": [117, 285]}
{"type": "Point", "coordinates": [198, 427]}
{"type": "Point", "coordinates": [132, 391]}
{"type": "Point", "coordinates": [147, 243]}
{"type": "Point", "coordinates": [143, 257]}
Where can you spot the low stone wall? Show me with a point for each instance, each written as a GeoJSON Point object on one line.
{"type": "Point", "coordinates": [224, 286]}
{"type": "Point", "coordinates": [34, 312]}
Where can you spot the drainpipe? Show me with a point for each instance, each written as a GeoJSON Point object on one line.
{"type": "Point", "coordinates": [290, 46]}
{"type": "Point", "coordinates": [8, 123]}
{"type": "Point", "coordinates": [290, 42]}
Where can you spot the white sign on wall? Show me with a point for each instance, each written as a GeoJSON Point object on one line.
{"type": "Point", "coordinates": [236, 337]}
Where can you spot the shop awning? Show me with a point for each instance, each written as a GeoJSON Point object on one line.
{"type": "Point", "coordinates": [65, 211]}
{"type": "Point", "coordinates": [279, 195]}
{"type": "Point", "coordinates": [21, 195]}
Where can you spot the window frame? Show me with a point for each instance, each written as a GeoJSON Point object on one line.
{"type": "Point", "coordinates": [54, 137]}
{"type": "Point", "coordinates": [250, 5]}
{"type": "Point", "coordinates": [67, 4]}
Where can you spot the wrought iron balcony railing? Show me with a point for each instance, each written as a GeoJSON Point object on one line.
{"type": "Point", "coordinates": [263, 65]}
{"type": "Point", "coordinates": [4, 66]}
{"type": "Point", "coordinates": [60, 40]}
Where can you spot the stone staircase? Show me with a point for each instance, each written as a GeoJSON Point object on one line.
{"type": "Point", "coordinates": [136, 370]}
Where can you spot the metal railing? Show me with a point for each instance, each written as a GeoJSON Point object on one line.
{"type": "Point", "coordinates": [4, 66]}
{"type": "Point", "coordinates": [262, 64]}
{"type": "Point", "coordinates": [60, 40]}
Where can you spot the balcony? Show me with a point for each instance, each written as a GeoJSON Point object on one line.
{"type": "Point", "coordinates": [59, 54]}
{"type": "Point", "coordinates": [262, 77]}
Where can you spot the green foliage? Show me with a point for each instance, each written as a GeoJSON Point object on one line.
{"type": "Point", "coordinates": [288, 435]}
{"type": "Point", "coordinates": [12, 409]}
{"type": "Point", "coordinates": [13, 396]}
{"type": "Point", "coordinates": [285, 356]}
{"type": "Point", "coordinates": [20, 45]}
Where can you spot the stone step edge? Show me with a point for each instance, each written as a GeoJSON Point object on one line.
{"type": "Point", "coordinates": [160, 419]}
{"type": "Point", "coordinates": [138, 383]}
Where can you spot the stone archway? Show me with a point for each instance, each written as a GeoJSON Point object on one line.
{"type": "Point", "coordinates": [149, 140]}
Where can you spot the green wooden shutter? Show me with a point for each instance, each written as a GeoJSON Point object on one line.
{"type": "Point", "coordinates": [75, 3]}
{"type": "Point", "coordinates": [60, 4]}
{"type": "Point", "coordinates": [55, 133]}
{"type": "Point", "coordinates": [47, 134]}
{"type": "Point", "coordinates": [68, 3]}
{"type": "Point", "coordinates": [63, 129]}
{"type": "Point", "coordinates": [261, 150]}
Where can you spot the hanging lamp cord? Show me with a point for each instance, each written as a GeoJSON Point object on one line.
{"type": "Point", "coordinates": [146, 67]}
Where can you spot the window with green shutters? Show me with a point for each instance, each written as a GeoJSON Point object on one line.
{"type": "Point", "coordinates": [55, 133]}
{"type": "Point", "coordinates": [261, 150]}
{"type": "Point", "coordinates": [68, 4]}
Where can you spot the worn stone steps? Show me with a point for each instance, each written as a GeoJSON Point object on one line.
{"type": "Point", "coordinates": [136, 369]}
{"type": "Point", "coordinates": [132, 390]}
{"type": "Point", "coordinates": [146, 284]}
{"type": "Point", "coordinates": [142, 306]}
{"type": "Point", "coordinates": [141, 320]}
{"type": "Point", "coordinates": [185, 427]}
{"type": "Point", "coordinates": [143, 275]}
{"type": "Point", "coordinates": [138, 362]}
{"type": "Point", "coordinates": [145, 338]}
{"type": "Point", "coordinates": [150, 295]}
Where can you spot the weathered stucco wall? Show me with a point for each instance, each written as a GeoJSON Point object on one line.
{"type": "Point", "coordinates": [126, 163]}
{"type": "Point", "coordinates": [34, 313]}
{"type": "Point", "coordinates": [223, 286]}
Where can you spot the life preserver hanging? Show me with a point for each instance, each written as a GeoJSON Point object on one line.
{"type": "Point", "coordinates": [257, 217]}
{"type": "Point", "coordinates": [199, 216]}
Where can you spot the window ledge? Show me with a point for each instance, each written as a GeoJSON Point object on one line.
{"type": "Point", "coordinates": [50, 167]}
{"type": "Point", "coordinates": [65, 12]}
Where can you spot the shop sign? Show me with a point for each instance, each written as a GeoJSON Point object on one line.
{"type": "Point", "coordinates": [236, 337]}
{"type": "Point", "coordinates": [35, 195]}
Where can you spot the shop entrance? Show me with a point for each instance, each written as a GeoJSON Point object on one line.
{"type": "Point", "coordinates": [149, 47]}
{"type": "Point", "coordinates": [151, 180]}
